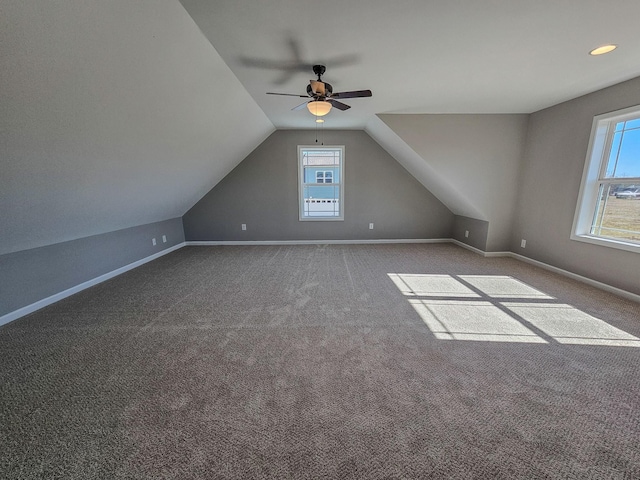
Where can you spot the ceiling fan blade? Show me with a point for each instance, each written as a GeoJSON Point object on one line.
{"type": "Point", "coordinates": [284, 77]}
{"type": "Point", "coordinates": [317, 87]}
{"type": "Point", "coordinates": [342, 60]}
{"type": "Point", "coordinates": [288, 94]}
{"type": "Point", "coordinates": [300, 107]}
{"type": "Point", "coordinates": [268, 64]}
{"type": "Point", "coordinates": [354, 94]}
{"type": "Point", "coordinates": [284, 65]}
{"type": "Point", "coordinates": [294, 46]}
{"type": "Point", "coordinates": [338, 105]}
{"type": "Point", "coordinates": [288, 68]}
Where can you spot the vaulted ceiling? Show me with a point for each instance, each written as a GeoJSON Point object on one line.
{"type": "Point", "coordinates": [114, 114]}
{"type": "Point", "coordinates": [120, 113]}
{"type": "Point", "coordinates": [417, 56]}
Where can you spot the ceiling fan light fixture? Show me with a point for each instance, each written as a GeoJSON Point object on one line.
{"type": "Point", "coordinates": [603, 49]}
{"type": "Point", "coordinates": [319, 108]}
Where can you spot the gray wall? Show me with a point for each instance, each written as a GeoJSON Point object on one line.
{"type": "Point", "coordinates": [469, 159]}
{"type": "Point", "coordinates": [478, 231]}
{"type": "Point", "coordinates": [35, 274]}
{"type": "Point", "coordinates": [552, 171]}
{"type": "Point", "coordinates": [112, 114]}
{"type": "Point", "coordinates": [262, 192]}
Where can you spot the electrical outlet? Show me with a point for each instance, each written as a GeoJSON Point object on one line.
{"type": "Point", "coordinates": [164, 239]}
{"type": "Point", "coordinates": [371, 226]}
{"type": "Point", "coordinates": [466, 233]}
{"type": "Point", "coordinates": [523, 243]}
{"type": "Point", "coordinates": [153, 242]}
{"type": "Point", "coordinates": [244, 226]}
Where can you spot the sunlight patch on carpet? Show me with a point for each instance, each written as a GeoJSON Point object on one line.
{"type": "Point", "coordinates": [503, 286]}
{"type": "Point", "coordinates": [476, 320]}
{"type": "Point", "coordinates": [569, 325]}
{"type": "Point", "coordinates": [499, 308]}
{"type": "Point", "coordinates": [431, 286]}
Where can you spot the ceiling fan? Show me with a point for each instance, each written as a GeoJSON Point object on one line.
{"type": "Point", "coordinates": [296, 63]}
{"type": "Point", "coordinates": [321, 95]}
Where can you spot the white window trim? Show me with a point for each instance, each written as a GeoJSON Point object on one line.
{"type": "Point", "coordinates": [595, 162]}
{"type": "Point", "coordinates": [301, 182]}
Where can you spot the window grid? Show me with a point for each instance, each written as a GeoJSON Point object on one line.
{"type": "Point", "coordinates": [321, 183]}
{"type": "Point", "coordinates": [610, 192]}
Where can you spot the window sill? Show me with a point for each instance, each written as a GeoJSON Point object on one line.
{"type": "Point", "coordinates": [608, 242]}
{"type": "Point", "coordinates": [321, 219]}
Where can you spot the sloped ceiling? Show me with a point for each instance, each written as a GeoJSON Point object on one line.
{"type": "Point", "coordinates": [424, 61]}
{"type": "Point", "coordinates": [445, 189]}
{"type": "Point", "coordinates": [119, 113]}
{"type": "Point", "coordinates": [473, 162]}
{"type": "Point", "coordinates": [417, 56]}
{"type": "Point", "coordinates": [114, 114]}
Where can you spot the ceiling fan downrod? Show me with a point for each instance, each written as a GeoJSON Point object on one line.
{"type": "Point", "coordinates": [319, 70]}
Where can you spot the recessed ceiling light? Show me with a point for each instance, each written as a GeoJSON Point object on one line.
{"type": "Point", "coordinates": [603, 49]}
{"type": "Point", "coordinates": [319, 120]}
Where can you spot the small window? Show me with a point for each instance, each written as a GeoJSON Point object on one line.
{"type": "Point", "coordinates": [321, 184]}
{"type": "Point", "coordinates": [324, 176]}
{"type": "Point", "coordinates": [608, 211]}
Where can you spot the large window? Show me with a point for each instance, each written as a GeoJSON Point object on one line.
{"type": "Point", "coordinates": [608, 211]}
{"type": "Point", "coordinates": [321, 184]}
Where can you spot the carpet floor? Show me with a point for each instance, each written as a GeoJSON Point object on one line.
{"type": "Point", "coordinates": [324, 361]}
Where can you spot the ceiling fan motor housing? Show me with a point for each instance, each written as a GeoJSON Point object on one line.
{"type": "Point", "coordinates": [322, 92]}
{"type": "Point", "coordinates": [328, 90]}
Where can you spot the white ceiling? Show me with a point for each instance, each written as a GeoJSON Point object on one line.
{"type": "Point", "coordinates": [417, 56]}
{"type": "Point", "coordinates": [122, 113]}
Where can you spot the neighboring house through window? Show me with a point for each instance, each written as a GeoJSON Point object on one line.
{"type": "Point", "coordinates": [608, 211]}
{"type": "Point", "coordinates": [324, 176]}
{"type": "Point", "coordinates": [321, 187]}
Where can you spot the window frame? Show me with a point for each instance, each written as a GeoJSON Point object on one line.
{"type": "Point", "coordinates": [302, 183]}
{"type": "Point", "coordinates": [594, 174]}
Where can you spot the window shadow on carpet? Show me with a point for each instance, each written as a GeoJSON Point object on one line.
{"type": "Point", "coordinates": [500, 308]}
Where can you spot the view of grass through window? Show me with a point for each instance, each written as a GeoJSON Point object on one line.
{"type": "Point", "coordinates": [617, 212]}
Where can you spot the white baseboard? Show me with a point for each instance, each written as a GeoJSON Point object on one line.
{"type": "Point", "coordinates": [317, 242]}
{"type": "Point", "coordinates": [9, 317]}
{"type": "Point", "coordinates": [589, 281]}
{"type": "Point", "coordinates": [21, 312]}
{"type": "Point", "coordinates": [478, 251]}
{"type": "Point", "coordinates": [551, 268]}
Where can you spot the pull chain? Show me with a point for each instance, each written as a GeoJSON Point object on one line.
{"type": "Point", "coordinates": [319, 120]}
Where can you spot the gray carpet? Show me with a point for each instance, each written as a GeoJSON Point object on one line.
{"type": "Point", "coordinates": [334, 361]}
